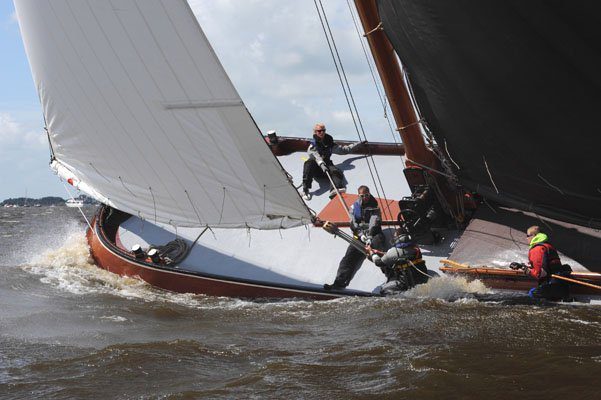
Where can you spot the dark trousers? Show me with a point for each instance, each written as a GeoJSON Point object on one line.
{"type": "Point", "coordinates": [311, 170]}
{"type": "Point", "coordinates": [352, 260]}
{"type": "Point", "coordinates": [553, 289]}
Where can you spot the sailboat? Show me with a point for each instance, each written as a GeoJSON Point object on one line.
{"type": "Point", "coordinates": [142, 116]}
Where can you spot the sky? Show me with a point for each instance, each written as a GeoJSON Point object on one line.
{"type": "Point", "coordinates": [274, 52]}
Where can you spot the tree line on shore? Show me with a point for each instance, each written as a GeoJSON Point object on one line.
{"type": "Point", "coordinates": [43, 201]}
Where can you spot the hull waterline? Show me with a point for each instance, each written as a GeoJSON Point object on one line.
{"type": "Point", "coordinates": [106, 256]}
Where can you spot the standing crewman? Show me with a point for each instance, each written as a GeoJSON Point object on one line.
{"type": "Point", "coordinates": [543, 261]}
{"type": "Point", "coordinates": [319, 163]}
{"type": "Point", "coordinates": [366, 224]}
{"type": "Point", "coordinates": [402, 264]}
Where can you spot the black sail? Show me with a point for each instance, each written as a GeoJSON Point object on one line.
{"type": "Point", "coordinates": [513, 89]}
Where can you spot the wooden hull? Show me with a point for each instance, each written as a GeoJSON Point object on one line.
{"type": "Point", "coordinates": [507, 279]}
{"type": "Point", "coordinates": [107, 256]}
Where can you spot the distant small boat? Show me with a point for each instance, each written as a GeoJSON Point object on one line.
{"type": "Point", "coordinates": [74, 203]}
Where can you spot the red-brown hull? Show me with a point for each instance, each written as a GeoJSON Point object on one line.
{"type": "Point", "coordinates": [183, 282]}
{"type": "Point", "coordinates": [496, 278]}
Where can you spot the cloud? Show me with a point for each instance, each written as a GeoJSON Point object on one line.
{"type": "Point", "coordinates": [278, 59]}
{"type": "Point", "coordinates": [17, 135]}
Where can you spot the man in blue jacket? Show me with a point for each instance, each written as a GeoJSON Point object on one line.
{"type": "Point", "coordinates": [366, 224]}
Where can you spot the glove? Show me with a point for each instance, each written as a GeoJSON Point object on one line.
{"type": "Point", "coordinates": [516, 266]}
{"type": "Point", "coordinates": [323, 166]}
{"type": "Point", "coordinates": [366, 239]}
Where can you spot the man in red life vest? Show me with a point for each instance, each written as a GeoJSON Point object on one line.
{"type": "Point", "coordinates": [543, 261]}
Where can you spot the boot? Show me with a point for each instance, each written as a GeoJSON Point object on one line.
{"type": "Point", "coordinates": [306, 195]}
{"type": "Point", "coordinates": [337, 285]}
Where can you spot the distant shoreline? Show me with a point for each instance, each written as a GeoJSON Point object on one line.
{"type": "Point", "coordinates": [43, 201]}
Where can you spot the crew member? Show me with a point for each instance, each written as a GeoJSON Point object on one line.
{"type": "Point", "coordinates": [402, 264]}
{"type": "Point", "coordinates": [319, 163]}
{"type": "Point", "coordinates": [543, 261]}
{"type": "Point", "coordinates": [366, 224]}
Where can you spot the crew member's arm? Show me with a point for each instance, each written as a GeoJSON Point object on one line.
{"type": "Point", "coordinates": [375, 222]}
{"type": "Point", "coordinates": [355, 228]}
{"type": "Point", "coordinates": [390, 258]}
{"type": "Point", "coordinates": [338, 149]}
{"type": "Point", "coordinates": [314, 155]}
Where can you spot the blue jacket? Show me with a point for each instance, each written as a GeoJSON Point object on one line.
{"type": "Point", "coordinates": [366, 219]}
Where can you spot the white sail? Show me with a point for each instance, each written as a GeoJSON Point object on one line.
{"type": "Point", "coordinates": [142, 114]}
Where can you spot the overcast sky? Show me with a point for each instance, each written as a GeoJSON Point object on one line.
{"type": "Point", "coordinates": [274, 52]}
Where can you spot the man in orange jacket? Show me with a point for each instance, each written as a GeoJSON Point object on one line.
{"type": "Point", "coordinates": [543, 262]}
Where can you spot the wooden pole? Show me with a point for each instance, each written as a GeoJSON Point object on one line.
{"type": "Point", "coordinates": [576, 281]}
{"type": "Point", "coordinates": [396, 89]}
{"type": "Point", "coordinates": [454, 264]}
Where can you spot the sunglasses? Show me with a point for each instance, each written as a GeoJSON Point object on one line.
{"type": "Point", "coordinates": [530, 235]}
{"type": "Point", "coordinates": [319, 130]}
{"type": "Point", "coordinates": [365, 195]}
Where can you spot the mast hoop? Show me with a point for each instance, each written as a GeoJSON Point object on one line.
{"type": "Point", "coordinates": [418, 122]}
{"type": "Point", "coordinates": [377, 28]}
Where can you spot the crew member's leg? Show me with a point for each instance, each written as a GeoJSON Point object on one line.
{"type": "Point", "coordinates": [420, 273]}
{"type": "Point", "coordinates": [553, 290]}
{"type": "Point", "coordinates": [310, 171]}
{"type": "Point", "coordinates": [337, 176]}
{"type": "Point", "coordinates": [349, 265]}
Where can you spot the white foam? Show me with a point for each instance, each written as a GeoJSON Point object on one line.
{"type": "Point", "coordinates": [447, 288]}
{"type": "Point", "coordinates": [69, 267]}
{"type": "Point", "coordinates": [115, 318]}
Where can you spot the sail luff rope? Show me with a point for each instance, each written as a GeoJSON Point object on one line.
{"type": "Point", "coordinates": [337, 61]}
{"type": "Point", "coordinates": [52, 156]}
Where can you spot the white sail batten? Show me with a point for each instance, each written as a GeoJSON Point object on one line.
{"type": "Point", "coordinates": [140, 109]}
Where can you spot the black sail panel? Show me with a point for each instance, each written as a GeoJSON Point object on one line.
{"type": "Point", "coordinates": [513, 89]}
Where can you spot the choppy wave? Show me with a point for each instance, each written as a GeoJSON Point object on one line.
{"type": "Point", "coordinates": [70, 267]}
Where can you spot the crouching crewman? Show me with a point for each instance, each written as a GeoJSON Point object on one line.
{"type": "Point", "coordinates": [402, 264]}
{"type": "Point", "coordinates": [543, 263]}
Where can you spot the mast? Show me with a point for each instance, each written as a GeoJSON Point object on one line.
{"type": "Point", "coordinates": [397, 92]}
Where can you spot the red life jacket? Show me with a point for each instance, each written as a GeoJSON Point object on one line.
{"type": "Point", "coordinates": [544, 260]}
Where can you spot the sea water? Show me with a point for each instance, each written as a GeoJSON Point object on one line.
{"type": "Point", "coordinates": [71, 330]}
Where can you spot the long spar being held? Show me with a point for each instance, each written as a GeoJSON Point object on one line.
{"type": "Point", "coordinates": [334, 230]}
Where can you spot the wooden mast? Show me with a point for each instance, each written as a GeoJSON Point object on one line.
{"type": "Point", "coordinates": [401, 104]}
{"type": "Point", "coordinates": [396, 89]}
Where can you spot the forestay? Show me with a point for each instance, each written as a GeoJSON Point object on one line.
{"type": "Point", "coordinates": [142, 114]}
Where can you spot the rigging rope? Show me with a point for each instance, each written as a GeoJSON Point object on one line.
{"type": "Point", "coordinates": [350, 99]}
{"type": "Point", "coordinates": [380, 91]}
{"type": "Point", "coordinates": [79, 208]}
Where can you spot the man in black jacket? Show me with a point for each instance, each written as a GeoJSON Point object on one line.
{"type": "Point", "coordinates": [319, 163]}
{"type": "Point", "coordinates": [366, 224]}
